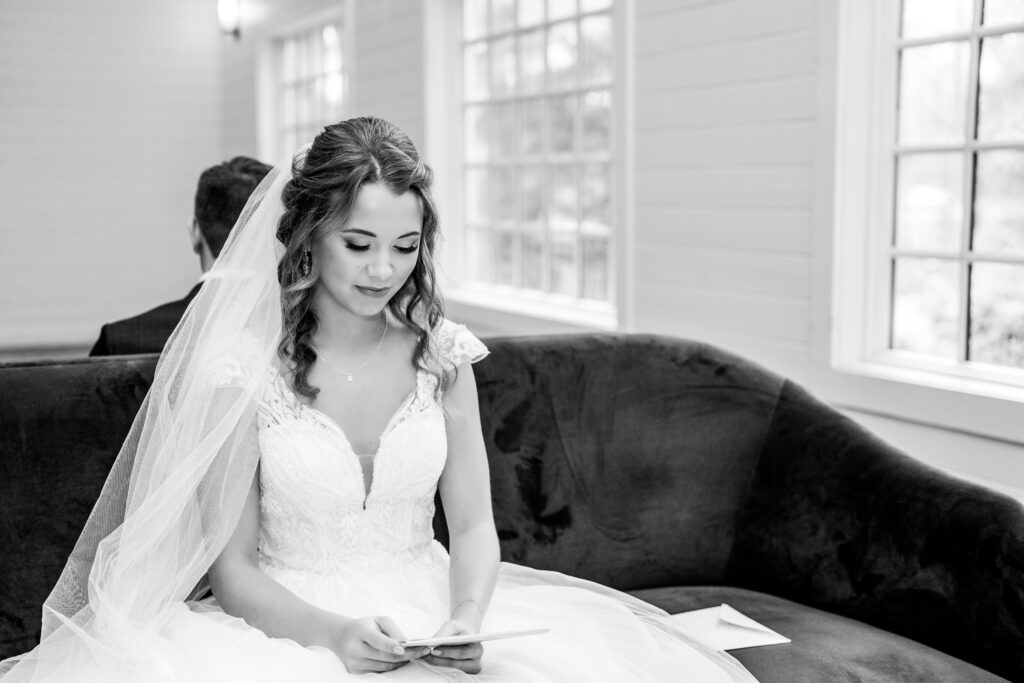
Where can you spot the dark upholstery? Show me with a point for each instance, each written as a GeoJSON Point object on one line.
{"type": "Point", "coordinates": [664, 467]}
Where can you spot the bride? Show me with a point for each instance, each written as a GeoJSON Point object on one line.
{"type": "Point", "coordinates": [270, 514]}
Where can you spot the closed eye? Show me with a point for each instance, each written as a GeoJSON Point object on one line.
{"type": "Point", "coordinates": [352, 246]}
{"type": "Point", "coordinates": [409, 249]}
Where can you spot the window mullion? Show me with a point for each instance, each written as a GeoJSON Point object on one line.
{"type": "Point", "coordinates": [970, 164]}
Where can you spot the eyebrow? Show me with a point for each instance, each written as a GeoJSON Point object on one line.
{"type": "Point", "coordinates": [414, 233]}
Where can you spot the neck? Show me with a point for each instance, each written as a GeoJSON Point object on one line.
{"type": "Point", "coordinates": [339, 328]}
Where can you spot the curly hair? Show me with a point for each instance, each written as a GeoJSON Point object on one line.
{"type": "Point", "coordinates": [344, 157]}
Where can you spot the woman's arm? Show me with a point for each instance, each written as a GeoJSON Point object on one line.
{"type": "Point", "coordinates": [466, 494]}
{"type": "Point", "coordinates": [243, 590]}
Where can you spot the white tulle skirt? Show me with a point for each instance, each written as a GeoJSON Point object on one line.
{"type": "Point", "coordinates": [596, 634]}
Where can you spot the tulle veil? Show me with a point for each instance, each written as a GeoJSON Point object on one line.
{"type": "Point", "coordinates": [176, 489]}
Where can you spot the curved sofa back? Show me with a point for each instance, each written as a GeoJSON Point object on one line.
{"type": "Point", "coordinates": [623, 459]}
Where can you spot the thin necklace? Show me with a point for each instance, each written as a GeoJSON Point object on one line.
{"type": "Point", "coordinates": [348, 375]}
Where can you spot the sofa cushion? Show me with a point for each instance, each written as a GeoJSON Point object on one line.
{"type": "Point", "coordinates": [825, 647]}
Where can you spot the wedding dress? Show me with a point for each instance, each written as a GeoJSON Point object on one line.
{"type": "Point", "coordinates": [219, 410]}
{"type": "Point", "coordinates": [361, 552]}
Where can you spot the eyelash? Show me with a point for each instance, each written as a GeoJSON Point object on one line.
{"type": "Point", "coordinates": [364, 247]}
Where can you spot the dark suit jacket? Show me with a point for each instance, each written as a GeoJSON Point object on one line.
{"type": "Point", "coordinates": [145, 333]}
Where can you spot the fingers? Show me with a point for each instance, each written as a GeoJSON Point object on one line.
{"type": "Point", "coordinates": [388, 626]}
{"type": "Point", "coordinates": [470, 666]}
{"type": "Point", "coordinates": [380, 641]}
{"type": "Point", "coordinates": [467, 651]}
{"type": "Point", "coordinates": [377, 666]}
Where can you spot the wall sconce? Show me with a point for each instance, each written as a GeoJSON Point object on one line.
{"type": "Point", "coordinates": [228, 18]}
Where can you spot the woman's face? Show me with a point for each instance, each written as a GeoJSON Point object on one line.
{"type": "Point", "coordinates": [365, 261]}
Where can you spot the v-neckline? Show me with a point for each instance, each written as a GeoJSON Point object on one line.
{"type": "Point", "coordinates": [330, 422]}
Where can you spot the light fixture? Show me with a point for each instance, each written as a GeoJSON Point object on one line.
{"type": "Point", "coordinates": [228, 18]}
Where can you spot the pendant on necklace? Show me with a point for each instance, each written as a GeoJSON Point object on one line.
{"type": "Point", "coordinates": [349, 377]}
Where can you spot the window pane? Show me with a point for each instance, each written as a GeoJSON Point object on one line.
{"type": "Point", "coordinates": [560, 9]}
{"type": "Point", "coordinates": [564, 277]}
{"type": "Point", "coordinates": [503, 67]}
{"type": "Point", "coordinates": [595, 267]}
{"type": "Point", "coordinates": [596, 201]}
{"type": "Point", "coordinates": [562, 53]}
{"type": "Point", "coordinates": [503, 15]}
{"type": "Point", "coordinates": [1001, 82]}
{"type": "Point", "coordinates": [533, 260]}
{"type": "Point", "coordinates": [1003, 12]}
{"type": "Point", "coordinates": [477, 188]}
{"type": "Point", "coordinates": [475, 72]}
{"type": "Point", "coordinates": [999, 202]}
{"type": "Point", "coordinates": [478, 255]}
{"type": "Point", "coordinates": [474, 18]}
{"type": "Point", "coordinates": [929, 201]}
{"type": "Point", "coordinates": [531, 128]}
{"type": "Point", "coordinates": [594, 5]}
{"type": "Point", "coordinates": [597, 121]}
{"type": "Point", "coordinates": [503, 140]}
{"type": "Point", "coordinates": [531, 12]}
{"type": "Point", "coordinates": [936, 17]}
{"type": "Point", "coordinates": [925, 306]}
{"type": "Point", "coordinates": [564, 200]}
{"type": "Point", "coordinates": [531, 202]}
{"type": "Point", "coordinates": [289, 68]}
{"type": "Point", "coordinates": [503, 194]}
{"type": "Point", "coordinates": [288, 107]}
{"type": "Point", "coordinates": [933, 92]}
{"type": "Point", "coordinates": [997, 314]}
{"type": "Point", "coordinates": [332, 48]}
{"type": "Point", "coordinates": [531, 61]}
{"type": "Point", "coordinates": [596, 44]}
{"type": "Point", "coordinates": [478, 133]}
{"type": "Point", "coordinates": [503, 257]}
{"type": "Point", "coordinates": [562, 122]}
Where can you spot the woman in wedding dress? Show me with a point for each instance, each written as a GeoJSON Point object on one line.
{"type": "Point", "coordinates": [302, 416]}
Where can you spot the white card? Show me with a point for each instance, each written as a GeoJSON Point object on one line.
{"type": "Point", "coordinates": [724, 628]}
{"type": "Point", "coordinates": [470, 638]}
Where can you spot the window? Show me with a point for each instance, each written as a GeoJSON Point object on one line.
{"type": "Point", "coordinates": [931, 141]}
{"type": "Point", "coordinates": [537, 116]}
{"type": "Point", "coordinates": [312, 85]}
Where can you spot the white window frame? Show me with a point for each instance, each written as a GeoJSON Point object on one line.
{"type": "Point", "coordinates": [850, 368]}
{"type": "Point", "coordinates": [497, 309]}
{"type": "Point", "coordinates": [268, 70]}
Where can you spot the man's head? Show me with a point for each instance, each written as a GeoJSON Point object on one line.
{"type": "Point", "coordinates": [220, 196]}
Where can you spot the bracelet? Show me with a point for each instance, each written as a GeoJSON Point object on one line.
{"type": "Point", "coordinates": [463, 603]}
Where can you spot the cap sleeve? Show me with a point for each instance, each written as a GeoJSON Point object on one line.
{"type": "Point", "coordinates": [457, 345]}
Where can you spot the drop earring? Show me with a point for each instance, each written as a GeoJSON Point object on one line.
{"type": "Point", "coordinates": [306, 263]}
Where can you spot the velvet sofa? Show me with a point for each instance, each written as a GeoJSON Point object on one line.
{"type": "Point", "coordinates": [668, 468]}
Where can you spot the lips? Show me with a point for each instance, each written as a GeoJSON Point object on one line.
{"type": "Point", "coordinates": [375, 292]}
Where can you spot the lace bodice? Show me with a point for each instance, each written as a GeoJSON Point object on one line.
{"type": "Point", "coordinates": [315, 512]}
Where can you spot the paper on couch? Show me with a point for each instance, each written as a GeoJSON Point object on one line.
{"type": "Point", "coordinates": [724, 628]}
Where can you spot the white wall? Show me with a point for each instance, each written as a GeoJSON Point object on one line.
{"type": "Point", "coordinates": [109, 111]}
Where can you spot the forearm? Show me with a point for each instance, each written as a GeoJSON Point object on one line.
{"type": "Point", "coordinates": [474, 570]}
{"type": "Point", "coordinates": [244, 591]}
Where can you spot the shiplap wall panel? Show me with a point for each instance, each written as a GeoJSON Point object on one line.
{"type": "Point", "coordinates": [752, 59]}
{"type": "Point", "coordinates": [708, 146]}
{"type": "Point", "coordinates": [785, 99]}
{"type": "Point", "coordinates": [721, 22]}
{"type": "Point", "coordinates": [758, 316]}
{"type": "Point", "coordinates": [786, 230]}
{"type": "Point", "coordinates": [727, 269]}
{"type": "Point", "coordinates": [389, 64]}
{"type": "Point", "coordinates": [108, 112]}
{"type": "Point", "coordinates": [724, 147]}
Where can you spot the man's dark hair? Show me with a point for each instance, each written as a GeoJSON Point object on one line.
{"type": "Point", "coordinates": [221, 195]}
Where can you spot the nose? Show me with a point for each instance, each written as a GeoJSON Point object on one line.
{"type": "Point", "coordinates": [381, 269]}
